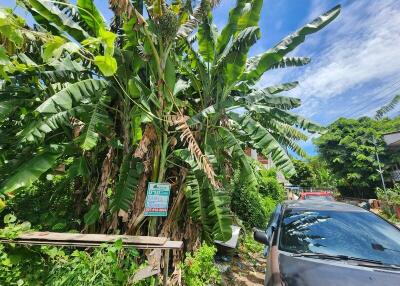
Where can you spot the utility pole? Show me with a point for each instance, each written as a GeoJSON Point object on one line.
{"type": "Point", "coordinates": [380, 171]}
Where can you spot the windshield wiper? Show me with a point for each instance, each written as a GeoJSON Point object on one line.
{"type": "Point", "coordinates": [364, 261]}
{"type": "Point", "coordinates": [335, 257]}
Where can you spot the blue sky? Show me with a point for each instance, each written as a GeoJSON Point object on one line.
{"type": "Point", "coordinates": [355, 65]}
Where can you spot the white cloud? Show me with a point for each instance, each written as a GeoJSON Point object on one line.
{"type": "Point", "coordinates": [354, 57]}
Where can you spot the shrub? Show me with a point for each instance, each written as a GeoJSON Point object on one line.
{"type": "Point", "coordinates": [269, 185]}
{"type": "Point", "coordinates": [391, 194]}
{"type": "Point", "coordinates": [253, 205]}
{"type": "Point", "coordinates": [108, 265]}
{"type": "Point", "coordinates": [19, 265]}
{"type": "Point", "coordinates": [48, 204]}
{"type": "Point", "coordinates": [199, 269]}
{"type": "Point", "coordinates": [269, 205]}
{"type": "Point", "coordinates": [248, 206]}
{"type": "Point", "coordinates": [250, 245]}
{"type": "Point", "coordinates": [105, 266]}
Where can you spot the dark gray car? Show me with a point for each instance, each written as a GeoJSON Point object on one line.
{"type": "Point", "coordinates": [326, 243]}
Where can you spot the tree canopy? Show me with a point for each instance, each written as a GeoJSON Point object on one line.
{"type": "Point", "coordinates": [349, 151]}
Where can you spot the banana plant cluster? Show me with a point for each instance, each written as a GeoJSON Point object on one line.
{"type": "Point", "coordinates": [163, 98]}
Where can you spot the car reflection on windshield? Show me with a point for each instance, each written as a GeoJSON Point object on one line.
{"type": "Point", "coordinates": [353, 234]}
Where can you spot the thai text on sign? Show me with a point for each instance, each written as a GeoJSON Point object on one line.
{"type": "Point", "coordinates": [157, 199]}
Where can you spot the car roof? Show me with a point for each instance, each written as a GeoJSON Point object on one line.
{"type": "Point", "coordinates": [321, 205]}
{"type": "Point", "coordinates": [316, 193]}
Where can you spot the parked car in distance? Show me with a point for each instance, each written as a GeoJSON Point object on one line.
{"type": "Point", "coordinates": [326, 196]}
{"type": "Point", "coordinates": [312, 243]}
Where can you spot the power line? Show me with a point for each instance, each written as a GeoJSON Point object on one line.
{"type": "Point", "coordinates": [392, 92]}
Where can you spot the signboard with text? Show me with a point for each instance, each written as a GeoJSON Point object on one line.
{"type": "Point", "coordinates": [157, 199]}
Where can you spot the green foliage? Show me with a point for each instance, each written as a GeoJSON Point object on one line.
{"type": "Point", "coordinates": [70, 81]}
{"type": "Point", "coordinates": [250, 245]}
{"type": "Point", "coordinates": [259, 64]}
{"type": "Point", "coordinates": [305, 175]}
{"type": "Point", "coordinates": [269, 185]}
{"type": "Point", "coordinates": [90, 14]}
{"type": "Point", "coordinates": [254, 205]}
{"type": "Point", "coordinates": [199, 269]}
{"type": "Point", "coordinates": [22, 266]}
{"type": "Point", "coordinates": [348, 150]}
{"type": "Point", "coordinates": [388, 107]}
{"type": "Point", "coordinates": [47, 204]}
{"type": "Point", "coordinates": [30, 171]}
{"type": "Point", "coordinates": [107, 266]}
{"type": "Point", "coordinates": [247, 205]}
{"type": "Point", "coordinates": [13, 228]}
{"type": "Point", "coordinates": [18, 265]}
{"type": "Point", "coordinates": [209, 207]}
{"type": "Point", "coordinates": [392, 195]}
{"type": "Point", "coordinates": [323, 176]}
{"type": "Point", "coordinates": [125, 189]}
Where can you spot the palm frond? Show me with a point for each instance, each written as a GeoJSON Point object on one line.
{"type": "Point", "coordinates": [98, 120]}
{"type": "Point", "coordinates": [32, 169]}
{"type": "Point", "coordinates": [187, 137]}
{"type": "Point", "coordinates": [387, 108]}
{"type": "Point", "coordinates": [71, 95]}
{"type": "Point", "coordinates": [258, 65]}
{"type": "Point", "coordinates": [129, 175]}
{"type": "Point", "coordinates": [286, 62]}
{"type": "Point", "coordinates": [261, 139]}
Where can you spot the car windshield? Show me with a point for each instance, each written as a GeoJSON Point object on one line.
{"type": "Point", "coordinates": [318, 197]}
{"type": "Point", "coordinates": [354, 234]}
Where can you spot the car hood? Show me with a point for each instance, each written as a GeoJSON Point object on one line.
{"type": "Point", "coordinates": [302, 271]}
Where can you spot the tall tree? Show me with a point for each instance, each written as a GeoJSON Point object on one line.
{"type": "Point", "coordinates": [120, 106]}
{"type": "Point", "coordinates": [349, 151]}
{"type": "Point", "coordinates": [305, 175]}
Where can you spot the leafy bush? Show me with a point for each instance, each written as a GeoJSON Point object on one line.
{"type": "Point", "coordinates": [254, 205]}
{"type": "Point", "coordinates": [19, 265]}
{"type": "Point", "coordinates": [199, 269]}
{"type": "Point", "coordinates": [107, 265]}
{"type": "Point", "coordinates": [269, 205]}
{"type": "Point", "coordinates": [12, 228]}
{"type": "Point", "coordinates": [247, 204]}
{"type": "Point", "coordinates": [392, 194]}
{"type": "Point", "coordinates": [250, 245]}
{"type": "Point", "coordinates": [48, 204]}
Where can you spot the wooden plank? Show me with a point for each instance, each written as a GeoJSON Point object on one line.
{"type": "Point", "coordinates": [171, 244]}
{"type": "Point", "coordinates": [154, 259]}
{"type": "Point", "coordinates": [96, 238]}
{"type": "Point", "coordinates": [166, 267]}
{"type": "Point", "coordinates": [168, 245]}
{"type": "Point", "coordinates": [144, 273]}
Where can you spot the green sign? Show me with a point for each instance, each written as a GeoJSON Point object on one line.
{"type": "Point", "coordinates": [157, 199]}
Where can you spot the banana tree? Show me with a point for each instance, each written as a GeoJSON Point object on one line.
{"type": "Point", "coordinates": [119, 106]}
{"type": "Point", "coordinates": [226, 104]}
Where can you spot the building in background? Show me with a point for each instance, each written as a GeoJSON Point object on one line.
{"type": "Point", "coordinates": [268, 163]}
{"type": "Point", "coordinates": [392, 140]}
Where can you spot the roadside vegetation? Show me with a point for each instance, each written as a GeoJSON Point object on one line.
{"type": "Point", "coordinates": [350, 153]}
{"type": "Point", "coordinates": [90, 112]}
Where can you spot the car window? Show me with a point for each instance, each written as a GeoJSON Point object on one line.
{"type": "Point", "coordinates": [355, 234]}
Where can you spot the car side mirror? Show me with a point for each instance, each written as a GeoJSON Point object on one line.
{"type": "Point", "coordinates": [261, 237]}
